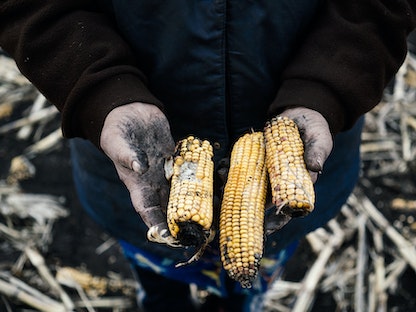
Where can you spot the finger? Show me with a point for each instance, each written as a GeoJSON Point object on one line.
{"type": "Point", "coordinates": [140, 162]}
{"type": "Point", "coordinates": [275, 221]}
{"type": "Point", "coordinates": [146, 202]}
{"type": "Point", "coordinates": [164, 196]}
{"type": "Point", "coordinates": [153, 216]}
{"type": "Point", "coordinates": [316, 136]}
{"type": "Point", "coordinates": [162, 236]}
{"type": "Point", "coordinates": [127, 156]}
{"type": "Point", "coordinates": [318, 146]}
{"type": "Point", "coordinates": [314, 175]}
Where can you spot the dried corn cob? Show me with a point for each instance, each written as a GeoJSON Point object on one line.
{"type": "Point", "coordinates": [242, 210]}
{"type": "Point", "coordinates": [190, 207]}
{"type": "Point", "coordinates": [291, 184]}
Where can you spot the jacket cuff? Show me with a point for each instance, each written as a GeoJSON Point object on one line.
{"type": "Point", "coordinates": [87, 119]}
{"type": "Point", "coordinates": [312, 95]}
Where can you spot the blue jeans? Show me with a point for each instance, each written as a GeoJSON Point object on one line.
{"type": "Point", "coordinates": [107, 200]}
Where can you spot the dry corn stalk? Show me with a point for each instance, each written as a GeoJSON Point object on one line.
{"type": "Point", "coordinates": [6, 109]}
{"type": "Point", "coordinates": [291, 184]}
{"type": "Point", "coordinates": [190, 207]}
{"type": "Point", "coordinates": [91, 284]}
{"type": "Point", "coordinates": [20, 169]}
{"type": "Point", "coordinates": [242, 210]}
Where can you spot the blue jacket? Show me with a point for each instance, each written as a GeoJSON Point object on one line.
{"type": "Point", "coordinates": [214, 64]}
{"type": "Point", "coordinates": [223, 65]}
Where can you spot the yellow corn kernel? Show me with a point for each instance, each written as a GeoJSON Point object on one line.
{"type": "Point", "coordinates": [242, 209]}
{"type": "Point", "coordinates": [291, 184]}
{"type": "Point", "coordinates": [190, 206]}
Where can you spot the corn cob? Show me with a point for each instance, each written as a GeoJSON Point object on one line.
{"type": "Point", "coordinates": [190, 206]}
{"type": "Point", "coordinates": [242, 209]}
{"type": "Point", "coordinates": [291, 184]}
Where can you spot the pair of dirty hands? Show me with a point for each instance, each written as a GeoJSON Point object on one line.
{"type": "Point", "coordinates": [137, 138]}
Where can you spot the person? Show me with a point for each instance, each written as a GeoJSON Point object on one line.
{"type": "Point", "coordinates": [131, 78]}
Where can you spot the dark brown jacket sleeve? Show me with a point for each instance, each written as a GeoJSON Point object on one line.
{"type": "Point", "coordinates": [352, 51]}
{"type": "Point", "coordinates": [72, 54]}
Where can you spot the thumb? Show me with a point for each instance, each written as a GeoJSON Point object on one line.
{"type": "Point", "coordinates": [140, 162]}
{"type": "Point", "coordinates": [315, 134]}
{"type": "Point", "coordinates": [318, 145]}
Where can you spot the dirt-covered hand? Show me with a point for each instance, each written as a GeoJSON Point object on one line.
{"type": "Point", "coordinates": [137, 138]}
{"type": "Point", "coordinates": [318, 143]}
{"type": "Point", "coordinates": [316, 137]}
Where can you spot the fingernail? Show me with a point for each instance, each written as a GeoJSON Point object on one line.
{"type": "Point", "coordinates": [319, 162]}
{"type": "Point", "coordinates": [136, 166]}
{"type": "Point", "coordinates": [165, 233]}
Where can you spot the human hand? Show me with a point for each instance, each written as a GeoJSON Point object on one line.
{"type": "Point", "coordinates": [137, 138]}
{"type": "Point", "coordinates": [318, 143]}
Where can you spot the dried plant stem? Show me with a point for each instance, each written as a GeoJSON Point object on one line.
{"type": "Point", "coordinates": [315, 243]}
{"type": "Point", "coordinates": [45, 144]}
{"type": "Point", "coordinates": [10, 233]}
{"type": "Point", "coordinates": [47, 112]}
{"type": "Point", "coordinates": [397, 269]}
{"type": "Point", "coordinates": [30, 296]}
{"type": "Point", "coordinates": [377, 147]}
{"type": "Point", "coordinates": [372, 294]}
{"type": "Point", "coordinates": [309, 284]}
{"type": "Point", "coordinates": [39, 262]}
{"type": "Point", "coordinates": [411, 121]}
{"type": "Point", "coordinates": [19, 264]}
{"type": "Point", "coordinates": [359, 302]}
{"type": "Point", "coordinates": [38, 104]}
{"type": "Point", "coordinates": [405, 248]}
{"type": "Point", "coordinates": [119, 302]}
{"type": "Point", "coordinates": [406, 141]}
{"type": "Point", "coordinates": [380, 272]}
{"type": "Point", "coordinates": [105, 246]}
{"type": "Point", "coordinates": [84, 298]}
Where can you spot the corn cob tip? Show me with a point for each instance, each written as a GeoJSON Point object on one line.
{"type": "Point", "coordinates": [294, 211]}
{"type": "Point", "coordinates": [191, 234]}
{"type": "Point", "coordinates": [240, 272]}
